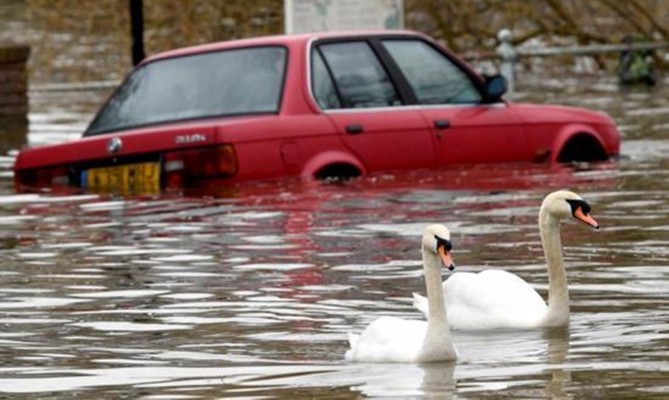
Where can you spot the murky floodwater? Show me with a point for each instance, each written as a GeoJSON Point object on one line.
{"type": "Point", "coordinates": [252, 296]}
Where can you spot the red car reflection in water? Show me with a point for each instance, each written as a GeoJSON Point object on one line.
{"type": "Point", "coordinates": [338, 104]}
{"type": "Point", "coordinates": [305, 211]}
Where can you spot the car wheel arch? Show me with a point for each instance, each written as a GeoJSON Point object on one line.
{"type": "Point", "coordinates": [578, 144]}
{"type": "Point", "coordinates": [333, 164]}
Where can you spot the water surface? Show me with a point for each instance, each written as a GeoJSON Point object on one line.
{"type": "Point", "coordinates": [252, 295]}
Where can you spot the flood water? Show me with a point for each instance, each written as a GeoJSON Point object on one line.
{"type": "Point", "coordinates": [252, 295]}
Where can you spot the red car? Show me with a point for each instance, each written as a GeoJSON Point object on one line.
{"type": "Point", "coordinates": [336, 104]}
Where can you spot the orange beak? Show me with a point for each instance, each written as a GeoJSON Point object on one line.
{"type": "Point", "coordinates": [580, 215]}
{"type": "Point", "coordinates": [446, 259]}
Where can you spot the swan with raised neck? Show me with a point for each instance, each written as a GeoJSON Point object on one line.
{"type": "Point", "coordinates": [555, 208]}
{"type": "Point", "coordinates": [390, 339]}
{"type": "Point", "coordinates": [496, 299]}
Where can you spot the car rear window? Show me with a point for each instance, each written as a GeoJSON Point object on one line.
{"type": "Point", "coordinates": [231, 82]}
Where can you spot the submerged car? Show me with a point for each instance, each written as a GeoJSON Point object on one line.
{"type": "Point", "coordinates": [321, 105]}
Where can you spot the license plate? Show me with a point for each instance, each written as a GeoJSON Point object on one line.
{"type": "Point", "coordinates": [143, 178]}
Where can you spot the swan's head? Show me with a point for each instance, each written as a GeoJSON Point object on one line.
{"type": "Point", "coordinates": [564, 204]}
{"type": "Point", "coordinates": [437, 240]}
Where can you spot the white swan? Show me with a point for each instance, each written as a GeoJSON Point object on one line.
{"type": "Point", "coordinates": [390, 339]}
{"type": "Point", "coordinates": [494, 299]}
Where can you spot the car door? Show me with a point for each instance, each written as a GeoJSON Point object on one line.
{"type": "Point", "coordinates": [467, 130]}
{"type": "Point", "coordinates": [351, 85]}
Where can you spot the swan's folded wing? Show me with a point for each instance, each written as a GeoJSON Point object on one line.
{"type": "Point", "coordinates": [353, 339]}
{"type": "Point", "coordinates": [420, 303]}
{"type": "Point", "coordinates": [353, 343]}
{"type": "Point", "coordinates": [491, 299]}
{"type": "Point", "coordinates": [389, 339]}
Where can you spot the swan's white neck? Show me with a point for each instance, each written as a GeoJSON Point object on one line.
{"type": "Point", "coordinates": [558, 295]}
{"type": "Point", "coordinates": [438, 344]}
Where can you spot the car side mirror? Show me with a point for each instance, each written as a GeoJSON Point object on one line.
{"type": "Point", "coordinates": [495, 86]}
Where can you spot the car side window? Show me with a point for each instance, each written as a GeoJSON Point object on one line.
{"type": "Point", "coordinates": [433, 77]}
{"type": "Point", "coordinates": [323, 86]}
{"type": "Point", "coordinates": [359, 76]}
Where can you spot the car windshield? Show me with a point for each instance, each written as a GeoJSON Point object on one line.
{"type": "Point", "coordinates": [230, 82]}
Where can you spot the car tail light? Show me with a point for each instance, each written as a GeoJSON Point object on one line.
{"type": "Point", "coordinates": [208, 162]}
{"type": "Point", "coordinates": [43, 177]}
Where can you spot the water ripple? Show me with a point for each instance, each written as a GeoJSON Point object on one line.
{"type": "Point", "coordinates": [253, 295]}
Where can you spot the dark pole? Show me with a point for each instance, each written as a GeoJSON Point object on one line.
{"type": "Point", "coordinates": [137, 31]}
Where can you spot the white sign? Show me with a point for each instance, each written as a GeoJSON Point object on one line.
{"type": "Point", "coordinates": [328, 15]}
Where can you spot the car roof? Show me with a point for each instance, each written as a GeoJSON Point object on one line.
{"type": "Point", "coordinates": [286, 40]}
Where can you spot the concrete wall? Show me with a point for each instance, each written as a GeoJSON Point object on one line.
{"type": "Point", "coordinates": [13, 97]}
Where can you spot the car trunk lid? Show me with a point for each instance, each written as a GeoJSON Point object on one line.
{"type": "Point", "coordinates": [131, 162]}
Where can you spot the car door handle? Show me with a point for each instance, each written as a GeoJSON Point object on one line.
{"type": "Point", "coordinates": [442, 124]}
{"type": "Point", "coordinates": [354, 129]}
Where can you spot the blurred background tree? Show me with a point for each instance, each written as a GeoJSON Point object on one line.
{"type": "Point", "coordinates": [89, 40]}
{"type": "Point", "coordinates": [467, 24]}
